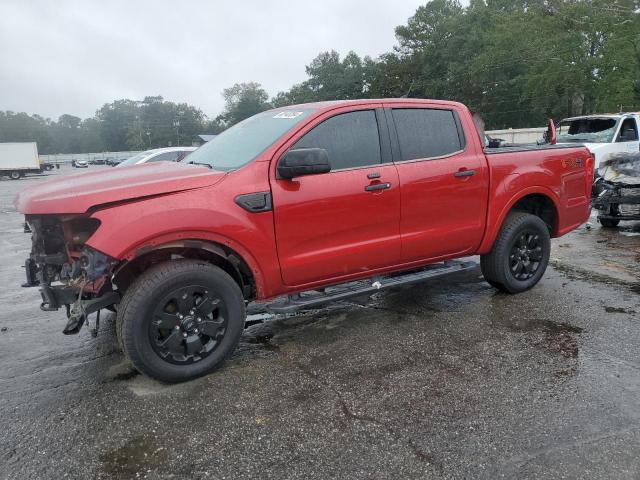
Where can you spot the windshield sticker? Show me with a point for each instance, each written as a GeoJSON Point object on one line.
{"type": "Point", "coordinates": [287, 114]}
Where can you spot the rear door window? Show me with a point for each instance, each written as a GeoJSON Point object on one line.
{"type": "Point", "coordinates": [426, 133]}
{"type": "Point", "coordinates": [350, 139]}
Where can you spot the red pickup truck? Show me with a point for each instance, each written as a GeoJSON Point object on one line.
{"type": "Point", "coordinates": [308, 203]}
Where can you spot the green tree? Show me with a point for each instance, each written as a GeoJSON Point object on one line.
{"type": "Point", "coordinates": [91, 136]}
{"type": "Point", "coordinates": [115, 119]}
{"type": "Point", "coordinates": [20, 127]}
{"type": "Point", "coordinates": [243, 100]}
{"type": "Point", "coordinates": [331, 78]}
{"type": "Point", "coordinates": [517, 62]}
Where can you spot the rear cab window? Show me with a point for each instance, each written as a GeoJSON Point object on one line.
{"type": "Point", "coordinates": [426, 133]}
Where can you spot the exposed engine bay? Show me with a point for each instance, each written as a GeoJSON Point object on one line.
{"type": "Point", "coordinates": [617, 188]}
{"type": "Point", "coordinates": [68, 272]}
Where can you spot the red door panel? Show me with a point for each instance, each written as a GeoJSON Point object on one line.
{"type": "Point", "coordinates": [442, 214]}
{"type": "Point", "coordinates": [444, 182]}
{"type": "Point", "coordinates": [328, 226]}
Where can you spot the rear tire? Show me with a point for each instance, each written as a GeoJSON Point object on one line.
{"type": "Point", "coordinates": [180, 320]}
{"type": "Point", "coordinates": [15, 175]}
{"type": "Point", "coordinates": [520, 254]}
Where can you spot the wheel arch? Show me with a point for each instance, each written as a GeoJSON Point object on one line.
{"type": "Point", "coordinates": [540, 202]}
{"type": "Point", "coordinates": [541, 206]}
{"type": "Point", "coordinates": [215, 253]}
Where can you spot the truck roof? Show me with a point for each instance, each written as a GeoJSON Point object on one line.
{"type": "Point", "coordinates": [365, 101]}
{"type": "Point", "coordinates": [602, 115]}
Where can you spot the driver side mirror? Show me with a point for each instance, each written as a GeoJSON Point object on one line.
{"type": "Point", "coordinates": [303, 161]}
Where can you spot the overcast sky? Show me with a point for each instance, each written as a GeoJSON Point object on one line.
{"type": "Point", "coordinates": [73, 56]}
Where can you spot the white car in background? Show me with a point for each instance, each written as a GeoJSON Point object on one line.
{"type": "Point", "coordinates": [169, 154]}
{"type": "Point", "coordinates": [602, 134]}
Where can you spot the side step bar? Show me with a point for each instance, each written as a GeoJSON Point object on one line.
{"type": "Point", "coordinates": [313, 298]}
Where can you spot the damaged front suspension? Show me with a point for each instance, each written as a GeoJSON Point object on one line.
{"type": "Point", "coordinates": [81, 309]}
{"type": "Point", "coordinates": [618, 202]}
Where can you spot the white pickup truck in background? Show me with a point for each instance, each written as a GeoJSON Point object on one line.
{"type": "Point", "coordinates": [18, 159]}
{"type": "Point", "coordinates": [602, 134]}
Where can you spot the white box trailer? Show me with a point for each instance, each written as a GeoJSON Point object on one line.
{"type": "Point", "coordinates": [18, 159]}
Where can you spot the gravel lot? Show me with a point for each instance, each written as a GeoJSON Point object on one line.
{"type": "Point", "coordinates": [447, 379]}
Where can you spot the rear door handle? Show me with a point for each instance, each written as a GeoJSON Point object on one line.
{"type": "Point", "coordinates": [464, 173]}
{"type": "Point", "coordinates": [377, 186]}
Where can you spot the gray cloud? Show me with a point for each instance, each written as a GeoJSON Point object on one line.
{"type": "Point", "coordinates": [73, 56]}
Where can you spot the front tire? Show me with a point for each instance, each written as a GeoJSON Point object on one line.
{"type": "Point", "coordinates": [609, 222]}
{"type": "Point", "coordinates": [180, 320]}
{"type": "Point", "coordinates": [520, 254]}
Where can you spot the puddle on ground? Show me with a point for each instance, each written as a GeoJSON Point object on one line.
{"type": "Point", "coordinates": [134, 459]}
{"type": "Point", "coordinates": [560, 340]}
{"type": "Point", "coordinates": [531, 324]}
{"type": "Point", "coordinates": [573, 273]}
{"type": "Point", "coordinates": [558, 336]}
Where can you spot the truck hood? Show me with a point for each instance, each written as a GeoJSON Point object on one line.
{"type": "Point", "coordinates": [621, 167]}
{"type": "Point", "coordinates": [79, 193]}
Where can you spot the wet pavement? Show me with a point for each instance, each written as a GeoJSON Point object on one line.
{"type": "Point", "coordinates": [445, 379]}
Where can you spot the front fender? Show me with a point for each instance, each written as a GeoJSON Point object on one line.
{"type": "Point", "coordinates": [131, 229]}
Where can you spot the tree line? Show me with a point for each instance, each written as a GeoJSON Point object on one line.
{"type": "Point", "coordinates": [517, 62]}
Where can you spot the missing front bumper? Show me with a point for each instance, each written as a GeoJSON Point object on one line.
{"type": "Point", "coordinates": [618, 202]}
{"type": "Point", "coordinates": [81, 309]}
{"type": "Point", "coordinates": [78, 310]}
{"type": "Point", "coordinates": [54, 297]}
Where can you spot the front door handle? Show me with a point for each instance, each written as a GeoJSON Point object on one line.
{"type": "Point", "coordinates": [464, 173]}
{"type": "Point", "coordinates": [377, 186]}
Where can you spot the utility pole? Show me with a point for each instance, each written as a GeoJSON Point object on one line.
{"type": "Point", "coordinates": [176, 123]}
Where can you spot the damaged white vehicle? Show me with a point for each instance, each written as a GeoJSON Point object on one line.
{"type": "Point", "coordinates": [603, 134]}
{"type": "Point", "coordinates": [617, 188]}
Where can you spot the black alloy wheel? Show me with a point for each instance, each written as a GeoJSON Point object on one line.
{"type": "Point", "coordinates": [180, 319]}
{"type": "Point", "coordinates": [188, 324]}
{"type": "Point", "coordinates": [519, 255]}
{"type": "Point", "coordinates": [526, 255]}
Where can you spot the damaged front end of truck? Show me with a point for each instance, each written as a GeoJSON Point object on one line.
{"type": "Point", "coordinates": [617, 188]}
{"type": "Point", "coordinates": [70, 274]}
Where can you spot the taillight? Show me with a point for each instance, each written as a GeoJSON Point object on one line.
{"type": "Point", "coordinates": [590, 161]}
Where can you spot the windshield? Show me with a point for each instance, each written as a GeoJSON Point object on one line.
{"type": "Point", "coordinates": [587, 130]}
{"type": "Point", "coordinates": [243, 142]}
{"type": "Point", "coordinates": [134, 159]}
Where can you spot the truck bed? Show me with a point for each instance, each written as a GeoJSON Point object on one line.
{"type": "Point", "coordinates": [526, 147]}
